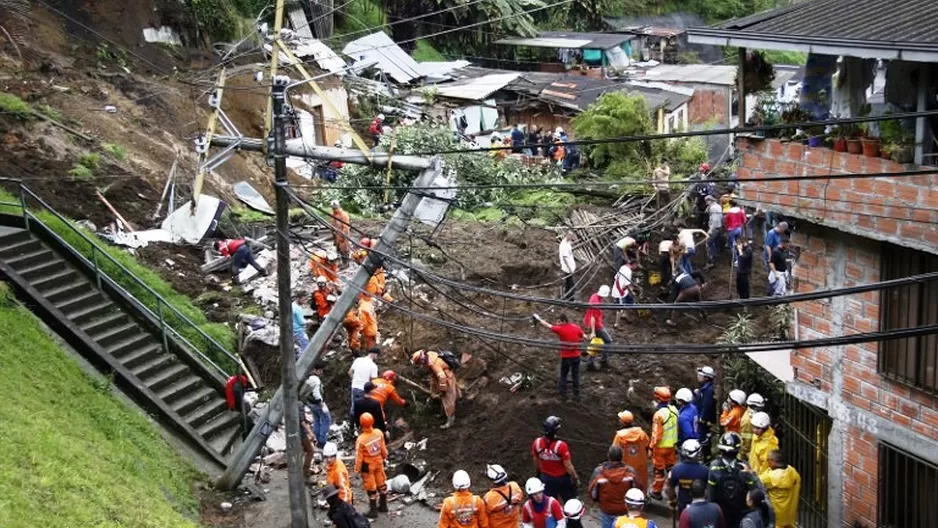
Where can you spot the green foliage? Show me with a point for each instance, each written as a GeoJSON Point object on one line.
{"type": "Point", "coordinates": [250, 216]}
{"type": "Point", "coordinates": [739, 332]}
{"type": "Point", "coordinates": [358, 16]}
{"type": "Point", "coordinates": [81, 172]}
{"type": "Point", "coordinates": [221, 333]}
{"type": "Point", "coordinates": [218, 19]}
{"type": "Point", "coordinates": [92, 160]}
{"type": "Point", "coordinates": [73, 455]}
{"type": "Point", "coordinates": [51, 113]}
{"type": "Point", "coordinates": [582, 15]}
{"type": "Point", "coordinates": [613, 115]}
{"type": "Point", "coordinates": [425, 52]}
{"type": "Point", "coordinates": [740, 372]}
{"type": "Point", "coordinates": [797, 58]}
{"type": "Point", "coordinates": [108, 55]}
{"type": "Point", "coordinates": [116, 151]}
{"type": "Point", "coordinates": [18, 108]}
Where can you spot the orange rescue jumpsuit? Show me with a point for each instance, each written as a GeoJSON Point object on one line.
{"type": "Point", "coordinates": [371, 450]}
{"type": "Point", "coordinates": [634, 443]}
{"type": "Point", "coordinates": [447, 382]}
{"type": "Point", "coordinates": [663, 443]}
{"type": "Point", "coordinates": [731, 419]}
{"type": "Point", "coordinates": [462, 509]}
{"type": "Point", "coordinates": [323, 307]}
{"type": "Point", "coordinates": [353, 326]}
{"type": "Point", "coordinates": [385, 390]}
{"type": "Point", "coordinates": [337, 475]}
{"type": "Point", "coordinates": [341, 229]}
{"type": "Point", "coordinates": [369, 321]}
{"type": "Point", "coordinates": [503, 505]}
{"type": "Point", "coordinates": [377, 285]}
{"type": "Point", "coordinates": [320, 266]}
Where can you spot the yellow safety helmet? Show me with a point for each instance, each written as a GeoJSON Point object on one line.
{"type": "Point", "coordinates": [595, 346]}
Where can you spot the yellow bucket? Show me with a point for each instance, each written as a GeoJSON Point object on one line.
{"type": "Point", "coordinates": [654, 278]}
{"type": "Point", "coordinates": [593, 349]}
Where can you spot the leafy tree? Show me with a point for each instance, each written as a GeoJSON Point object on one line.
{"type": "Point", "coordinates": [582, 15]}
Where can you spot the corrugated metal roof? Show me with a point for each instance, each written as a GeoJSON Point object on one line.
{"type": "Point", "coordinates": [441, 70]}
{"type": "Point", "coordinates": [322, 54]}
{"type": "Point", "coordinates": [569, 40]}
{"type": "Point", "coordinates": [911, 21]}
{"type": "Point", "coordinates": [476, 89]}
{"type": "Point", "coordinates": [390, 58]}
{"type": "Point", "coordinates": [692, 73]}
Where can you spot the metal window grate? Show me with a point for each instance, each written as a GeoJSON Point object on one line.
{"type": "Point", "coordinates": [805, 429]}
{"type": "Point", "coordinates": [908, 490]}
{"type": "Point", "coordinates": [912, 361]}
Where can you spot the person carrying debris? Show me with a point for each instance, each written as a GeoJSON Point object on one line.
{"type": "Point", "coordinates": [764, 442]}
{"type": "Point", "coordinates": [783, 485]}
{"type": "Point", "coordinates": [445, 378]}
{"type": "Point", "coordinates": [635, 501]}
{"type": "Point", "coordinates": [683, 475]}
{"type": "Point", "coordinates": [300, 339]}
{"type": "Point", "coordinates": [755, 403]}
{"type": "Point", "coordinates": [552, 462]}
{"type": "Point", "coordinates": [323, 298]}
{"type": "Point", "coordinates": [609, 483]}
{"type": "Point", "coordinates": [341, 230]}
{"type": "Point", "coordinates": [323, 264]}
{"type": "Point", "coordinates": [370, 454]}
{"type": "Point", "coordinates": [570, 335]}
{"type": "Point", "coordinates": [342, 513]}
{"type": "Point", "coordinates": [634, 442]}
{"type": "Point", "coordinates": [541, 510]}
{"type": "Point", "coordinates": [463, 509]}
{"type": "Point", "coordinates": [663, 439]}
{"type": "Point", "coordinates": [336, 472]}
{"type": "Point", "coordinates": [732, 413]}
{"type": "Point", "coordinates": [385, 390]}
{"type": "Point", "coordinates": [362, 370]}
{"type": "Point", "coordinates": [366, 404]}
{"type": "Point", "coordinates": [369, 321]}
{"type": "Point", "coordinates": [503, 501]}
{"type": "Point", "coordinates": [241, 255]}
{"type": "Point", "coordinates": [687, 290]}
{"type": "Point", "coordinates": [593, 320]}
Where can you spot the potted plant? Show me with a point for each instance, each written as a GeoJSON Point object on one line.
{"type": "Point", "coordinates": [897, 141]}
{"type": "Point", "coordinates": [815, 135]}
{"type": "Point", "coordinates": [792, 116]}
{"type": "Point", "coordinates": [840, 138]}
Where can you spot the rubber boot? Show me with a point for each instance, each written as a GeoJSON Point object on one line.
{"type": "Point", "coordinates": [451, 421]}
{"type": "Point", "coordinates": [383, 505]}
{"type": "Point", "coordinates": [372, 509]}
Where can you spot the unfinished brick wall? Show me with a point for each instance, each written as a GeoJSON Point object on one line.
{"type": "Point", "coordinates": [861, 478]}
{"type": "Point", "coordinates": [903, 209]}
{"type": "Point", "coordinates": [707, 105]}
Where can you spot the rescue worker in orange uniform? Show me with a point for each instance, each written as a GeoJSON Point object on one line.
{"type": "Point", "coordinates": [324, 264]}
{"type": "Point", "coordinates": [360, 254]}
{"type": "Point", "coordinates": [377, 285]}
{"type": "Point", "coordinates": [503, 501]}
{"type": "Point", "coordinates": [663, 439]}
{"type": "Point", "coordinates": [341, 227]}
{"type": "Point", "coordinates": [385, 390]}
{"type": "Point", "coordinates": [732, 415]}
{"type": "Point", "coordinates": [321, 298]}
{"type": "Point", "coordinates": [353, 326]}
{"type": "Point", "coordinates": [634, 443]}
{"type": "Point", "coordinates": [369, 321]}
{"type": "Point", "coordinates": [445, 379]}
{"type": "Point", "coordinates": [462, 509]}
{"type": "Point", "coordinates": [370, 454]}
{"type": "Point", "coordinates": [336, 472]}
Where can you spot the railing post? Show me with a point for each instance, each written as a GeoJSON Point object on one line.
{"type": "Point", "coordinates": [23, 205]}
{"type": "Point", "coordinates": [159, 310]}
{"type": "Point", "coordinates": [97, 271]}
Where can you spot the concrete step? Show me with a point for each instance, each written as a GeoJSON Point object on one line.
{"type": "Point", "coordinates": [225, 440]}
{"type": "Point", "coordinates": [30, 259]}
{"type": "Point", "coordinates": [19, 247]}
{"type": "Point", "coordinates": [59, 277]}
{"type": "Point", "coordinates": [130, 344]}
{"type": "Point", "coordinates": [108, 336]}
{"type": "Point", "coordinates": [105, 320]}
{"type": "Point", "coordinates": [141, 355]}
{"type": "Point", "coordinates": [77, 302]}
{"type": "Point", "coordinates": [20, 235]}
{"type": "Point", "coordinates": [66, 291]}
{"type": "Point", "coordinates": [180, 389]}
{"type": "Point", "coordinates": [194, 399]}
{"type": "Point", "coordinates": [154, 364]}
{"type": "Point", "coordinates": [164, 378]}
{"type": "Point", "coordinates": [92, 312]}
{"type": "Point", "coordinates": [218, 424]}
{"type": "Point", "coordinates": [206, 411]}
{"type": "Point", "coordinates": [41, 270]}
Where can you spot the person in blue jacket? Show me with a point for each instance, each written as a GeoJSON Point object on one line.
{"type": "Point", "coordinates": [684, 474]}
{"type": "Point", "coordinates": [706, 404]}
{"type": "Point", "coordinates": [687, 428]}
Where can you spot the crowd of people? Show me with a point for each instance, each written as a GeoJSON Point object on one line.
{"type": "Point", "coordinates": [533, 141]}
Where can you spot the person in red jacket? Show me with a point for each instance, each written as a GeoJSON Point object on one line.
{"type": "Point", "coordinates": [240, 254]}
{"type": "Point", "coordinates": [734, 219]}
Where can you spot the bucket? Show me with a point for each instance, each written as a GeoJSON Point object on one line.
{"type": "Point", "coordinates": [595, 346]}
{"type": "Point", "coordinates": [654, 278]}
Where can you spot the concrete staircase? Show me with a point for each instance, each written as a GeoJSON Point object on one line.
{"type": "Point", "coordinates": [187, 396]}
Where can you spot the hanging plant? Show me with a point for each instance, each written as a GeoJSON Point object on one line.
{"type": "Point", "coordinates": [758, 72]}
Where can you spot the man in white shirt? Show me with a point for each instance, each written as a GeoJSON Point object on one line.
{"type": "Point", "coordinates": [622, 291]}
{"type": "Point", "coordinates": [714, 229]}
{"type": "Point", "coordinates": [567, 265]}
{"type": "Point", "coordinates": [661, 180]}
{"type": "Point", "coordinates": [778, 283]}
{"type": "Point", "coordinates": [689, 247]}
{"type": "Point", "coordinates": [363, 370]}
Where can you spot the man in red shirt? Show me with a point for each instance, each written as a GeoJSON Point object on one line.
{"type": "Point", "coordinates": [571, 335]}
{"type": "Point", "coordinates": [734, 219]}
{"type": "Point", "coordinates": [553, 464]}
{"type": "Point", "coordinates": [240, 254]}
{"type": "Point", "coordinates": [593, 322]}
{"type": "Point", "coordinates": [541, 510]}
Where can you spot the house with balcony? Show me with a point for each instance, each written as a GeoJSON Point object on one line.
{"type": "Point", "coordinates": [861, 421]}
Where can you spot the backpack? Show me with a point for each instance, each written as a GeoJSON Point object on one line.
{"type": "Point", "coordinates": [451, 360]}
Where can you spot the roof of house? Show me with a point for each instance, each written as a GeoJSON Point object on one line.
{"type": "Point", "coordinates": [390, 58]}
{"type": "Point", "coordinates": [577, 92]}
{"type": "Point", "coordinates": [569, 40]}
{"type": "Point", "coordinates": [691, 73]}
{"type": "Point", "coordinates": [476, 88]}
{"type": "Point", "coordinates": [895, 29]}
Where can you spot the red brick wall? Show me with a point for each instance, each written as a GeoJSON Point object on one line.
{"type": "Point", "coordinates": [903, 207]}
{"type": "Point", "coordinates": [860, 478]}
{"type": "Point", "coordinates": [707, 105]}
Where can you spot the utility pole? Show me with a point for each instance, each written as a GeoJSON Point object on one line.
{"type": "Point", "coordinates": [271, 415]}
{"type": "Point", "coordinates": [291, 417]}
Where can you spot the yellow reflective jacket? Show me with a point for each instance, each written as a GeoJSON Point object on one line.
{"type": "Point", "coordinates": [783, 486]}
{"type": "Point", "coordinates": [745, 432]}
{"type": "Point", "coordinates": [761, 447]}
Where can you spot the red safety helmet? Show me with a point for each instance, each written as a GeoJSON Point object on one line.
{"type": "Point", "coordinates": [704, 167]}
{"type": "Point", "coordinates": [365, 242]}
{"type": "Point", "coordinates": [366, 420]}
{"type": "Point", "coordinates": [389, 375]}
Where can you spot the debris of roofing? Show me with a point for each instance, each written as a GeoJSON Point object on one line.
{"type": "Point", "coordinates": [299, 22]}
{"type": "Point", "coordinates": [390, 58]}
{"type": "Point", "coordinates": [692, 73]}
{"type": "Point", "coordinates": [439, 71]}
{"type": "Point", "coordinates": [569, 40]}
{"type": "Point", "coordinates": [192, 226]}
{"type": "Point", "coordinates": [478, 88]}
{"type": "Point", "coordinates": [319, 52]}
{"type": "Point", "coordinates": [253, 199]}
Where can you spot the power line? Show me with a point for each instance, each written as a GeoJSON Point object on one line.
{"type": "Point", "coordinates": [399, 21]}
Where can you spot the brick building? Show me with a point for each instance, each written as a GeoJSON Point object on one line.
{"type": "Point", "coordinates": [865, 436]}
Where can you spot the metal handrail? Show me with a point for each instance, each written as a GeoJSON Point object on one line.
{"type": "Point", "coordinates": [99, 273]}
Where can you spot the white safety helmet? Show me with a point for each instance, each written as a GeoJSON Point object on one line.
{"type": "Point", "coordinates": [330, 298]}
{"type": "Point", "coordinates": [558, 131]}
{"type": "Point", "coordinates": [461, 480]}
{"type": "Point", "coordinates": [691, 448]}
{"type": "Point", "coordinates": [573, 509]}
{"type": "Point", "coordinates": [755, 400]}
{"type": "Point", "coordinates": [321, 279]}
{"type": "Point", "coordinates": [330, 449]}
{"type": "Point", "coordinates": [495, 473]}
{"type": "Point", "coordinates": [604, 291]}
{"type": "Point", "coordinates": [761, 420]}
{"type": "Point", "coordinates": [335, 203]}
{"type": "Point", "coordinates": [634, 498]}
{"type": "Point", "coordinates": [320, 253]}
{"type": "Point", "coordinates": [706, 372]}
{"type": "Point", "coordinates": [332, 255]}
{"type": "Point", "coordinates": [533, 485]}
{"type": "Point", "coordinates": [381, 117]}
{"type": "Point", "coordinates": [737, 396]}
{"type": "Point", "coordinates": [684, 395]}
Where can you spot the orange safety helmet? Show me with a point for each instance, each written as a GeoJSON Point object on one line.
{"type": "Point", "coordinates": [366, 420]}
{"type": "Point", "coordinates": [704, 167]}
{"type": "Point", "coordinates": [663, 394]}
{"type": "Point", "coordinates": [390, 376]}
{"type": "Point", "coordinates": [626, 417]}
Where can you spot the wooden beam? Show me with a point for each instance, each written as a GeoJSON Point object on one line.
{"type": "Point", "coordinates": [212, 122]}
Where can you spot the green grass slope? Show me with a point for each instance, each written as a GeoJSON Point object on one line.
{"type": "Point", "coordinates": [71, 455]}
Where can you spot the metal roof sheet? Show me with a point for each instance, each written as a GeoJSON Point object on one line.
{"type": "Point", "coordinates": [390, 58]}
{"type": "Point", "coordinates": [569, 40]}
{"type": "Point", "coordinates": [692, 73]}
{"type": "Point", "coordinates": [477, 88]}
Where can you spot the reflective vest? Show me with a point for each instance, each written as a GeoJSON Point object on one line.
{"type": "Point", "coordinates": [631, 522]}
{"type": "Point", "coordinates": [668, 427]}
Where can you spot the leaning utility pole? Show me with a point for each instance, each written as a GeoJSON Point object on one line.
{"type": "Point", "coordinates": [271, 415]}
{"type": "Point", "coordinates": [291, 420]}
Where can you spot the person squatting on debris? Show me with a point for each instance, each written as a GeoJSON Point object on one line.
{"type": "Point", "coordinates": [552, 462]}
{"type": "Point", "coordinates": [362, 370]}
{"type": "Point", "coordinates": [567, 265]}
{"type": "Point", "coordinates": [541, 510]}
{"type": "Point", "coordinates": [593, 320]}
{"type": "Point", "coordinates": [367, 404]}
{"type": "Point", "coordinates": [311, 394]}
{"type": "Point", "coordinates": [300, 339]}
{"type": "Point", "coordinates": [341, 513]}
{"type": "Point", "coordinates": [446, 382]}
{"type": "Point", "coordinates": [663, 439]}
{"type": "Point", "coordinates": [503, 501]}
{"type": "Point", "coordinates": [370, 454]}
{"type": "Point", "coordinates": [463, 509]}
{"type": "Point", "coordinates": [608, 485]}
{"type": "Point", "coordinates": [687, 289]}
{"type": "Point", "coordinates": [571, 336]}
{"type": "Point", "coordinates": [634, 443]}
{"type": "Point", "coordinates": [241, 256]}
{"type": "Point", "coordinates": [341, 230]}
{"type": "Point", "coordinates": [336, 471]}
{"type": "Point", "coordinates": [684, 474]}
{"type": "Point", "coordinates": [385, 390]}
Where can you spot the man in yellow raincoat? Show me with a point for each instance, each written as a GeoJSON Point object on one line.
{"type": "Point", "coordinates": [783, 485]}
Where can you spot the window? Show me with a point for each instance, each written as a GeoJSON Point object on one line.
{"type": "Point", "coordinates": [908, 490]}
{"type": "Point", "coordinates": [913, 360]}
